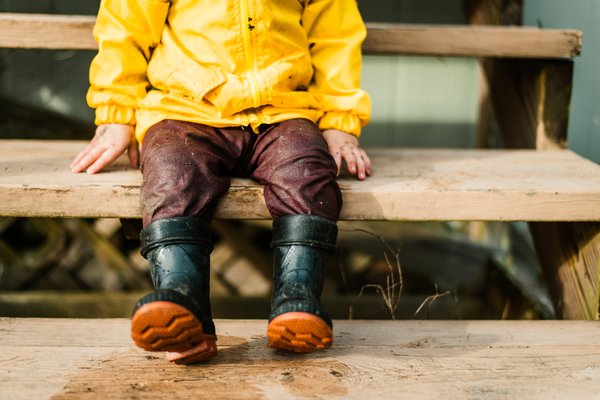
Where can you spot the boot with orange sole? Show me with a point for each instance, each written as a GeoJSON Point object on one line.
{"type": "Point", "coordinates": [301, 245]}
{"type": "Point", "coordinates": [177, 317]}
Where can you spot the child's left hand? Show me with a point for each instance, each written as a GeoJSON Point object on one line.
{"type": "Point", "coordinates": [345, 146]}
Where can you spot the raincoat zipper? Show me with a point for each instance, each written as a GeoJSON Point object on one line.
{"type": "Point", "coordinates": [247, 25]}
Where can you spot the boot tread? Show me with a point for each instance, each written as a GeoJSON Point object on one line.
{"type": "Point", "coordinates": [299, 332]}
{"type": "Point", "coordinates": [167, 326]}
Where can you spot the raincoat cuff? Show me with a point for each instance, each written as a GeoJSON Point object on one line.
{"type": "Point", "coordinates": [115, 114]}
{"type": "Point", "coordinates": [344, 121]}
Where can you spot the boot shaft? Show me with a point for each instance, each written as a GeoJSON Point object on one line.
{"type": "Point", "coordinates": [182, 267]}
{"type": "Point", "coordinates": [178, 253]}
{"type": "Point", "coordinates": [301, 246]}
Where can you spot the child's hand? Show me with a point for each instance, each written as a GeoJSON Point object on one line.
{"type": "Point", "coordinates": [345, 146]}
{"type": "Point", "coordinates": [109, 142]}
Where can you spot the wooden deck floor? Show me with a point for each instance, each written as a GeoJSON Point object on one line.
{"type": "Point", "coordinates": [74, 359]}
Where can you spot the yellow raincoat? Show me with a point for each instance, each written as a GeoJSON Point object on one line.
{"type": "Point", "coordinates": [229, 63]}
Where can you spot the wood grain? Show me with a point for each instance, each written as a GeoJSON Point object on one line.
{"type": "Point", "coordinates": [95, 359]}
{"type": "Point", "coordinates": [570, 257]}
{"type": "Point", "coordinates": [75, 32]}
{"type": "Point", "coordinates": [407, 184]}
{"type": "Point", "coordinates": [531, 101]}
{"type": "Point", "coordinates": [41, 31]}
{"type": "Point", "coordinates": [471, 41]}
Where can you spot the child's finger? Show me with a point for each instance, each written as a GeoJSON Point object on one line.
{"type": "Point", "coordinates": [88, 158]}
{"type": "Point", "coordinates": [367, 160]}
{"type": "Point", "coordinates": [80, 155]}
{"type": "Point", "coordinates": [106, 158]}
{"type": "Point", "coordinates": [360, 165]}
{"type": "Point", "coordinates": [350, 159]}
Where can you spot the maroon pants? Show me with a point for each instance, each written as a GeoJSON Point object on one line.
{"type": "Point", "coordinates": [187, 167]}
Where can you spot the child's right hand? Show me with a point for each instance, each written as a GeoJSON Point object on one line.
{"type": "Point", "coordinates": [108, 144]}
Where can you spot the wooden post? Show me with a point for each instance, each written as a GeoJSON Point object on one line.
{"type": "Point", "coordinates": [531, 101]}
{"type": "Point", "coordinates": [570, 256]}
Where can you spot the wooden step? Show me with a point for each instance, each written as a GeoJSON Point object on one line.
{"type": "Point", "coordinates": [75, 32]}
{"type": "Point", "coordinates": [96, 359]}
{"type": "Point", "coordinates": [407, 184]}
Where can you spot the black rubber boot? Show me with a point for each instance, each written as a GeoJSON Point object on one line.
{"type": "Point", "coordinates": [177, 317]}
{"type": "Point", "coordinates": [302, 244]}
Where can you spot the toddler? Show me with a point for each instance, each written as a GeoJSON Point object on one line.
{"type": "Point", "coordinates": [210, 89]}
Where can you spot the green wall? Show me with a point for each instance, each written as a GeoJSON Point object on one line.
{"type": "Point", "coordinates": [419, 101]}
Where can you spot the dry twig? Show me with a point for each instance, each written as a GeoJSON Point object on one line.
{"type": "Point", "coordinates": [394, 281]}
{"type": "Point", "coordinates": [430, 299]}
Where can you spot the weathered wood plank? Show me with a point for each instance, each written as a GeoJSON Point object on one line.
{"type": "Point", "coordinates": [470, 41]}
{"type": "Point", "coordinates": [407, 184]}
{"type": "Point", "coordinates": [66, 359]}
{"type": "Point", "coordinates": [41, 31]}
{"type": "Point", "coordinates": [75, 32]}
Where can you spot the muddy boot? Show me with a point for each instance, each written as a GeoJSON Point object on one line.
{"type": "Point", "coordinates": [301, 244]}
{"type": "Point", "coordinates": [177, 317]}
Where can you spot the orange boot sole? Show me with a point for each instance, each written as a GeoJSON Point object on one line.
{"type": "Point", "coordinates": [299, 332]}
{"type": "Point", "coordinates": [167, 326]}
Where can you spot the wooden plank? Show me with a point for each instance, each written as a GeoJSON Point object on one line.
{"type": "Point", "coordinates": [65, 359]}
{"type": "Point", "coordinates": [41, 31]}
{"type": "Point", "coordinates": [75, 32]}
{"type": "Point", "coordinates": [464, 41]}
{"type": "Point", "coordinates": [407, 184]}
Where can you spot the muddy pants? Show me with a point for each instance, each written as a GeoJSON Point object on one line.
{"type": "Point", "coordinates": [187, 167]}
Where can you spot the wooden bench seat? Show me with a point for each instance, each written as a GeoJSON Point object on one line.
{"type": "Point", "coordinates": [407, 184]}
{"type": "Point", "coordinates": [96, 359]}
{"type": "Point", "coordinates": [75, 32]}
